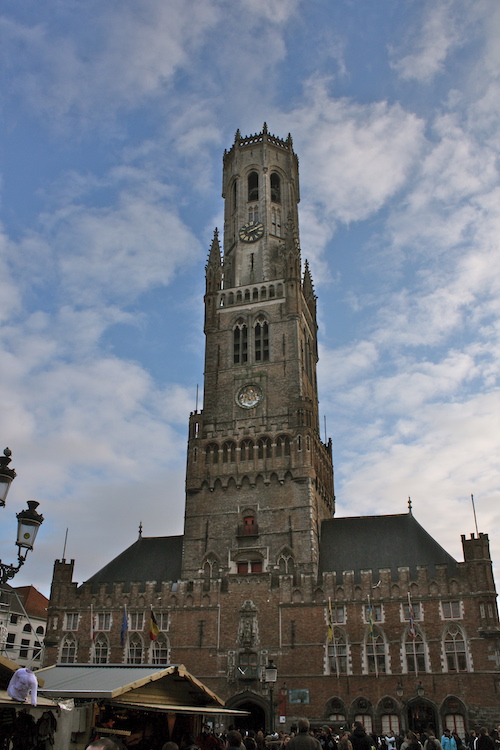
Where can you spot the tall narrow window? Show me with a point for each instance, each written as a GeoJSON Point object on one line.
{"type": "Point", "coordinates": [68, 650]}
{"type": "Point", "coordinates": [415, 653]}
{"type": "Point", "coordinates": [246, 450]}
{"type": "Point", "coordinates": [229, 452]}
{"type": "Point", "coordinates": [275, 188]}
{"type": "Point", "coordinates": [161, 650]}
{"type": "Point", "coordinates": [375, 653]}
{"type": "Point", "coordinates": [240, 343]}
{"type": "Point", "coordinates": [337, 652]}
{"type": "Point", "coordinates": [235, 195]}
{"type": "Point", "coordinates": [264, 448]}
{"type": "Point", "coordinates": [101, 649]}
{"type": "Point", "coordinates": [454, 648]}
{"type": "Point", "coordinates": [261, 340]}
{"type": "Point", "coordinates": [253, 186]}
{"type": "Point", "coordinates": [135, 649]}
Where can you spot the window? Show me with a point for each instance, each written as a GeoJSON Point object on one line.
{"type": "Point", "coordinates": [275, 188]}
{"type": "Point", "coordinates": [103, 621]}
{"type": "Point", "coordinates": [246, 449]}
{"type": "Point", "coordinates": [235, 195]}
{"type": "Point", "coordinates": [162, 620]}
{"type": "Point", "coordinates": [249, 526]}
{"type": "Point", "coordinates": [376, 613]}
{"type": "Point", "coordinates": [23, 651]}
{"type": "Point", "coordinates": [39, 630]}
{"type": "Point", "coordinates": [417, 611]}
{"type": "Point", "coordinates": [14, 619]}
{"type": "Point", "coordinates": [240, 342]}
{"type": "Point", "coordinates": [261, 341]}
{"type": "Point", "coordinates": [11, 639]}
{"type": "Point", "coordinates": [390, 725]}
{"type": "Point", "coordinates": [451, 610]}
{"type": "Point", "coordinates": [415, 653]}
{"type": "Point", "coordinates": [161, 650]}
{"type": "Point", "coordinates": [253, 187]}
{"type": "Point", "coordinates": [282, 446]}
{"type": "Point", "coordinates": [264, 448]}
{"type": "Point", "coordinates": [212, 453]}
{"type": "Point", "coordinates": [337, 614]}
{"type": "Point", "coordinates": [101, 649]}
{"type": "Point", "coordinates": [337, 652]}
{"type": "Point", "coordinates": [27, 628]}
{"type": "Point", "coordinates": [456, 723]}
{"type": "Point", "coordinates": [37, 651]}
{"type": "Point", "coordinates": [71, 621]}
{"type": "Point", "coordinates": [454, 649]}
{"type": "Point", "coordinates": [229, 452]}
{"type": "Point", "coordinates": [248, 666]}
{"type": "Point", "coordinates": [136, 620]}
{"type": "Point", "coordinates": [254, 566]}
{"type": "Point", "coordinates": [366, 721]}
{"type": "Point", "coordinates": [375, 653]}
{"type": "Point", "coordinates": [135, 649]}
{"type": "Point", "coordinates": [68, 650]}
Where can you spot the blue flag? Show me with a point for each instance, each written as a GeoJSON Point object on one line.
{"type": "Point", "coordinates": [124, 629]}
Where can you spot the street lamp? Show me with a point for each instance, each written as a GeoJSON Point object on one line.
{"type": "Point", "coordinates": [28, 521]}
{"type": "Point", "coordinates": [271, 677]}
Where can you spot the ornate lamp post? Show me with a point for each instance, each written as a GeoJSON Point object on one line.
{"type": "Point", "coordinates": [28, 521]}
{"type": "Point", "coordinates": [270, 678]}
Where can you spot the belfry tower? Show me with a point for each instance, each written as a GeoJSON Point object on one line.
{"type": "Point", "coordinates": [259, 479]}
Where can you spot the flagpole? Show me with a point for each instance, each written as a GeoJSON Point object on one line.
{"type": "Point", "coordinates": [370, 617]}
{"type": "Point", "coordinates": [413, 633]}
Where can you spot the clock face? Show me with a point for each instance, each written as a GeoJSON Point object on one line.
{"type": "Point", "coordinates": [251, 231]}
{"type": "Point", "coordinates": [249, 396]}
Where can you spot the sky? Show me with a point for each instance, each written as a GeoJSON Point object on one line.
{"type": "Point", "coordinates": [114, 117]}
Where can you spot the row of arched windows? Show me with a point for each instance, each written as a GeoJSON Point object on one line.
{"type": "Point", "coordinates": [414, 651]}
{"type": "Point", "coordinates": [248, 450]}
{"type": "Point", "coordinates": [255, 294]}
{"type": "Point", "coordinates": [137, 652]}
{"type": "Point", "coordinates": [253, 188]}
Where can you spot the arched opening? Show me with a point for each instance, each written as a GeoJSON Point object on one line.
{"type": "Point", "coordinates": [258, 713]}
{"type": "Point", "coordinates": [422, 716]}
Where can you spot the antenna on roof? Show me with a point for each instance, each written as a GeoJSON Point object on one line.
{"type": "Point", "coordinates": [474, 509]}
{"type": "Point", "coordinates": [140, 529]}
{"type": "Point", "coordinates": [64, 548]}
{"type": "Point", "coordinates": [409, 504]}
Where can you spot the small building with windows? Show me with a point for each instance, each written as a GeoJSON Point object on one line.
{"type": "Point", "coordinates": [24, 622]}
{"type": "Point", "coordinates": [365, 618]}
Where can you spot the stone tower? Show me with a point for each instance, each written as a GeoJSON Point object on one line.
{"type": "Point", "coordinates": [259, 479]}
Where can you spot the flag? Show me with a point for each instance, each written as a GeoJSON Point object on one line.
{"type": "Point", "coordinates": [330, 621]}
{"type": "Point", "coordinates": [411, 616]}
{"type": "Point", "coordinates": [369, 613]}
{"type": "Point", "coordinates": [123, 631]}
{"type": "Point", "coordinates": [153, 627]}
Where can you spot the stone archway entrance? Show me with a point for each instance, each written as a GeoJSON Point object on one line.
{"type": "Point", "coordinates": [422, 716]}
{"type": "Point", "coordinates": [258, 713]}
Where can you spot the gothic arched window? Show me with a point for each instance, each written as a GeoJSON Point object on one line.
{"type": "Point", "coordinates": [240, 343]}
{"type": "Point", "coordinates": [160, 650]}
{"type": "Point", "coordinates": [261, 336]}
{"type": "Point", "coordinates": [246, 448]}
{"type": "Point", "coordinates": [455, 649]}
{"type": "Point", "coordinates": [212, 453]}
{"type": "Point", "coordinates": [135, 649]}
{"type": "Point", "coordinates": [282, 446]}
{"type": "Point", "coordinates": [264, 448]}
{"type": "Point", "coordinates": [415, 652]}
{"type": "Point", "coordinates": [275, 187]}
{"type": "Point", "coordinates": [375, 650]}
{"type": "Point", "coordinates": [235, 195]}
{"type": "Point", "coordinates": [337, 652]}
{"type": "Point", "coordinates": [101, 649]}
{"type": "Point", "coordinates": [229, 452]}
{"type": "Point", "coordinates": [276, 221]}
{"type": "Point", "coordinates": [68, 649]}
{"type": "Point", "coordinates": [253, 186]}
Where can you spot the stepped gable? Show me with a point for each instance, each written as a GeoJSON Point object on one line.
{"type": "Point", "coordinates": [373, 542]}
{"type": "Point", "coordinates": [156, 558]}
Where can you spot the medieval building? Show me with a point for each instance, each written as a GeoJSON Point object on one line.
{"type": "Point", "coordinates": [364, 618]}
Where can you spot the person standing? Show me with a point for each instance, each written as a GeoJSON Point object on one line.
{"type": "Point", "coordinates": [448, 742]}
{"type": "Point", "coordinates": [303, 739]}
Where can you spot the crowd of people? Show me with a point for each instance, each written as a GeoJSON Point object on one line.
{"type": "Point", "coordinates": [302, 737]}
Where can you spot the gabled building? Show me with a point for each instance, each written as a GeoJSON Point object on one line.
{"type": "Point", "coordinates": [23, 614]}
{"type": "Point", "coordinates": [364, 618]}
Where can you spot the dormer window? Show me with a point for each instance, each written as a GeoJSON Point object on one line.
{"type": "Point", "coordinates": [253, 186]}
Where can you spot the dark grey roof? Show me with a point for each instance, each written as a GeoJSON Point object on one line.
{"type": "Point", "coordinates": [155, 558]}
{"type": "Point", "coordinates": [373, 542]}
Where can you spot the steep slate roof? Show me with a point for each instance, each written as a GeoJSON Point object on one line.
{"type": "Point", "coordinates": [155, 558]}
{"type": "Point", "coordinates": [373, 542]}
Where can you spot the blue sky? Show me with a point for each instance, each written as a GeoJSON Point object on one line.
{"type": "Point", "coordinates": [114, 119]}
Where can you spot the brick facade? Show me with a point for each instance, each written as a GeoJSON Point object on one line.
{"type": "Point", "coordinates": [263, 561]}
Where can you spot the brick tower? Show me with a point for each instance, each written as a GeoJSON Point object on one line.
{"type": "Point", "coordinates": [259, 479]}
